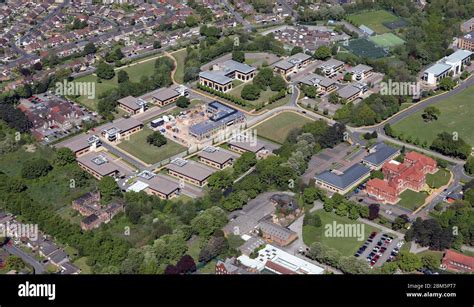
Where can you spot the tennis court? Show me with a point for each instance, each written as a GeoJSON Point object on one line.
{"type": "Point", "coordinates": [386, 40]}
{"type": "Point", "coordinates": [364, 48]}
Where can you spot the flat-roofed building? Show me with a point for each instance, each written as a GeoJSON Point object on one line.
{"type": "Point", "coordinates": [217, 157]}
{"type": "Point", "coordinates": [190, 171]}
{"type": "Point", "coordinates": [360, 72]}
{"type": "Point", "coordinates": [221, 116]}
{"type": "Point", "coordinates": [81, 144]}
{"type": "Point", "coordinates": [321, 83]}
{"type": "Point", "coordinates": [100, 165]}
{"type": "Point", "coordinates": [292, 63]}
{"type": "Point", "coordinates": [349, 92]}
{"type": "Point", "coordinates": [452, 64]}
{"type": "Point", "coordinates": [121, 128]}
{"type": "Point", "coordinates": [467, 41]}
{"type": "Point", "coordinates": [342, 182]}
{"type": "Point", "coordinates": [155, 184]}
{"type": "Point", "coordinates": [221, 77]}
{"type": "Point", "coordinates": [331, 66]}
{"type": "Point", "coordinates": [132, 104]}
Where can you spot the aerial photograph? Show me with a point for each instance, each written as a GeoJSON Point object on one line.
{"type": "Point", "coordinates": [328, 139]}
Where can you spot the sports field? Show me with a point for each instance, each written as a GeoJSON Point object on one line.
{"type": "Point", "coordinates": [278, 127]}
{"type": "Point", "coordinates": [386, 40]}
{"type": "Point", "coordinates": [373, 20]}
{"type": "Point", "coordinates": [365, 48]}
{"type": "Point", "coordinates": [456, 115]}
{"type": "Point", "coordinates": [138, 147]}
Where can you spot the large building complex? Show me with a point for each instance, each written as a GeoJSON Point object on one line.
{"type": "Point", "coordinates": [220, 117]}
{"type": "Point", "coordinates": [411, 174]}
{"type": "Point", "coordinates": [292, 64]}
{"type": "Point", "coordinates": [190, 171]}
{"type": "Point", "coordinates": [450, 65]}
{"type": "Point", "coordinates": [221, 77]}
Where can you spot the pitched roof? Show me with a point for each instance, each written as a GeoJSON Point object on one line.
{"type": "Point", "coordinates": [458, 261]}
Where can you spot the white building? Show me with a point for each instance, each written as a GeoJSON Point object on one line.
{"type": "Point", "coordinates": [277, 261]}
{"type": "Point", "coordinates": [443, 68]}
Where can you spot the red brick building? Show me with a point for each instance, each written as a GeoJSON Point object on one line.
{"type": "Point", "coordinates": [411, 174]}
{"type": "Point", "coordinates": [457, 262]}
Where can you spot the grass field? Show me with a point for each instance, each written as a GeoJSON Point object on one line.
{"type": "Point", "coordinates": [138, 147]}
{"type": "Point", "coordinates": [456, 116]}
{"type": "Point", "coordinates": [386, 40]}
{"type": "Point", "coordinates": [278, 127]}
{"type": "Point", "coordinates": [411, 199]}
{"type": "Point", "coordinates": [438, 179]}
{"type": "Point", "coordinates": [135, 72]}
{"type": "Point", "coordinates": [180, 56]}
{"type": "Point", "coordinates": [373, 20]}
{"type": "Point", "coordinates": [264, 95]}
{"type": "Point", "coordinates": [347, 246]}
{"type": "Point", "coordinates": [81, 264]}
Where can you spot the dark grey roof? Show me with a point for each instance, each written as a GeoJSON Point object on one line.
{"type": "Point", "coordinates": [222, 116]}
{"type": "Point", "coordinates": [381, 154]}
{"type": "Point", "coordinates": [90, 219]}
{"type": "Point", "coordinates": [348, 91]}
{"type": "Point", "coordinates": [165, 94]}
{"type": "Point", "coordinates": [348, 178]}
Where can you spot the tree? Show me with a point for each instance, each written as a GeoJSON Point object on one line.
{"type": "Point", "coordinates": [122, 76]}
{"type": "Point", "coordinates": [238, 55]}
{"type": "Point", "coordinates": [310, 195]}
{"type": "Point", "coordinates": [296, 49]}
{"type": "Point", "coordinates": [408, 262]}
{"type": "Point", "coordinates": [430, 261]}
{"type": "Point", "coordinates": [214, 247]}
{"type": "Point", "coordinates": [15, 263]}
{"type": "Point", "coordinates": [244, 162]}
{"type": "Point", "coordinates": [400, 222]}
{"type": "Point", "coordinates": [64, 156]}
{"type": "Point", "coordinates": [447, 84]}
{"type": "Point", "coordinates": [451, 145]}
{"type": "Point", "coordinates": [89, 48]}
{"type": "Point", "coordinates": [348, 77]}
{"type": "Point", "coordinates": [333, 98]}
{"type": "Point", "coordinates": [156, 45]}
{"type": "Point", "coordinates": [183, 102]}
{"type": "Point", "coordinates": [220, 180]}
{"type": "Point", "coordinates": [322, 53]}
{"type": "Point", "coordinates": [250, 92]}
{"type": "Point", "coordinates": [156, 139]}
{"type": "Point", "coordinates": [171, 270]}
{"type": "Point", "coordinates": [35, 168]}
{"type": "Point", "coordinates": [277, 84]}
{"type": "Point", "coordinates": [209, 221]}
{"type": "Point", "coordinates": [108, 189]}
{"type": "Point", "coordinates": [389, 267]}
{"type": "Point", "coordinates": [376, 174]}
{"type": "Point", "coordinates": [264, 78]}
{"type": "Point", "coordinates": [430, 114]}
{"type": "Point", "coordinates": [186, 265]}
{"type": "Point", "coordinates": [469, 165]}
{"type": "Point", "coordinates": [105, 71]}
{"type": "Point", "coordinates": [373, 211]}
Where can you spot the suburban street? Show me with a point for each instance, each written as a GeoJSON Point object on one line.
{"type": "Point", "coordinates": [39, 268]}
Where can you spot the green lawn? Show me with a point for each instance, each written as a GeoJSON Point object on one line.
{"type": "Point", "coordinates": [138, 147]}
{"type": "Point", "coordinates": [347, 246]}
{"type": "Point", "coordinates": [278, 127]}
{"type": "Point", "coordinates": [387, 40]}
{"type": "Point", "coordinates": [456, 116]}
{"type": "Point", "coordinates": [264, 95]}
{"type": "Point", "coordinates": [180, 56]}
{"type": "Point", "coordinates": [411, 199]}
{"type": "Point", "coordinates": [438, 179]}
{"type": "Point", "coordinates": [373, 20]}
{"type": "Point", "coordinates": [135, 72]}
{"type": "Point", "coordinates": [81, 264]}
